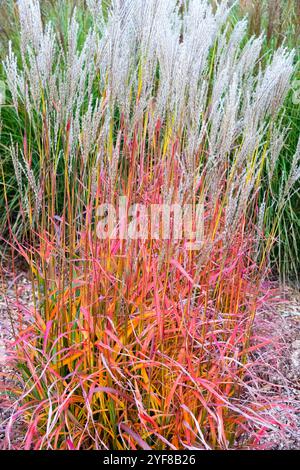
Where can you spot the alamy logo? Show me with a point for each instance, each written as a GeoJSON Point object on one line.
{"type": "Point", "coordinates": [154, 221]}
{"type": "Point", "coordinates": [2, 93]}
{"type": "Point", "coordinates": [296, 91]}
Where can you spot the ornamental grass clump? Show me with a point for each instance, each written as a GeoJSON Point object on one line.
{"type": "Point", "coordinates": [136, 340]}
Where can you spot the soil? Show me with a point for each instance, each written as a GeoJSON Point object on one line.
{"type": "Point", "coordinates": [12, 290]}
{"type": "Point", "coordinates": [279, 365]}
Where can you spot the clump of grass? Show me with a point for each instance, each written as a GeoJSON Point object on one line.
{"type": "Point", "coordinates": [141, 350]}
{"type": "Point", "coordinates": [280, 19]}
{"type": "Point", "coordinates": [142, 342]}
{"type": "Point", "coordinates": [280, 22]}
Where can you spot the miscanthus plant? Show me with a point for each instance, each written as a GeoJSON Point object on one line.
{"type": "Point", "coordinates": [281, 21]}
{"type": "Point", "coordinates": [143, 343]}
